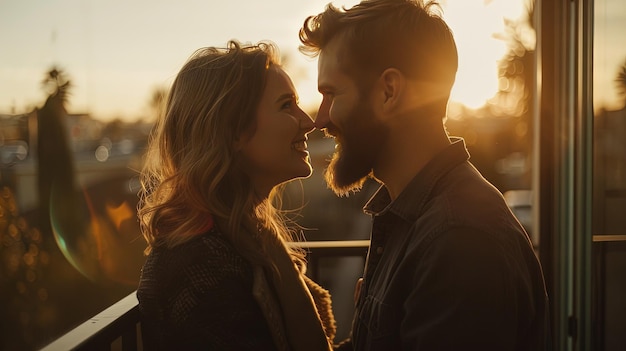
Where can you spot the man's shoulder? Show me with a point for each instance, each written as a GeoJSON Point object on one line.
{"type": "Point", "coordinates": [465, 199]}
{"type": "Point", "coordinates": [465, 190]}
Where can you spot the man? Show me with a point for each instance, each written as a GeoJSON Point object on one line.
{"type": "Point", "coordinates": [449, 266]}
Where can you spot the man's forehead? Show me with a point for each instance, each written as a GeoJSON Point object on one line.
{"type": "Point", "coordinates": [329, 74]}
{"type": "Point", "coordinates": [330, 61]}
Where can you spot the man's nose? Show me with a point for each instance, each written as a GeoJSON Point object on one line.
{"type": "Point", "coordinates": [322, 118]}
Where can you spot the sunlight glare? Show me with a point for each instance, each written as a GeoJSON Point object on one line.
{"type": "Point", "coordinates": [474, 23]}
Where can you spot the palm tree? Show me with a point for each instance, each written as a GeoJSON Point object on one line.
{"type": "Point", "coordinates": [621, 82]}
{"type": "Point", "coordinates": [516, 67]}
{"type": "Point", "coordinates": [54, 156]}
{"type": "Point", "coordinates": [56, 82]}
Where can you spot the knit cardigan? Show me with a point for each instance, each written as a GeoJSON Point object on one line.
{"type": "Point", "coordinates": [203, 295]}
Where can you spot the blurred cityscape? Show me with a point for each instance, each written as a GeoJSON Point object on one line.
{"type": "Point", "coordinates": [70, 253]}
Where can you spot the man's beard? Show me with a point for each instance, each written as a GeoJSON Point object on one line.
{"type": "Point", "coordinates": [358, 147]}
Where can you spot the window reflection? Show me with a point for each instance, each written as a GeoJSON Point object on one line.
{"type": "Point", "coordinates": [609, 196]}
{"type": "Point", "coordinates": [610, 117]}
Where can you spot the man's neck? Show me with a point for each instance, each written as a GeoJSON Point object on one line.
{"type": "Point", "coordinates": [411, 145]}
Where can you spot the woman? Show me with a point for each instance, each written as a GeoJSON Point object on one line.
{"type": "Point", "coordinates": [218, 274]}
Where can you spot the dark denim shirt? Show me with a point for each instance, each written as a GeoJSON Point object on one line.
{"type": "Point", "coordinates": [449, 267]}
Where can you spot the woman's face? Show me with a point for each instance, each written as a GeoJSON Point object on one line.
{"type": "Point", "coordinates": [277, 151]}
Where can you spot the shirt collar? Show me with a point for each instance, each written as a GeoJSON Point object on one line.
{"type": "Point", "coordinates": [417, 191]}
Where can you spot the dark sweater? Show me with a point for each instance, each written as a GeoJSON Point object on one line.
{"type": "Point", "coordinates": [198, 296]}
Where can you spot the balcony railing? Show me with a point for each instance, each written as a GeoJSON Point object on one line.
{"type": "Point", "coordinates": [117, 328]}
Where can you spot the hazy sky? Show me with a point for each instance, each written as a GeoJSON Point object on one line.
{"type": "Point", "coordinates": [117, 52]}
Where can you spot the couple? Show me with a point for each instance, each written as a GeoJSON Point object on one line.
{"type": "Point", "coordinates": [449, 266]}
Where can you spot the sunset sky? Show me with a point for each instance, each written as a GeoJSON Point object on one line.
{"type": "Point", "coordinates": [117, 52]}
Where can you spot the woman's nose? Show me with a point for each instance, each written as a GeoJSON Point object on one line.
{"type": "Point", "coordinates": [306, 122]}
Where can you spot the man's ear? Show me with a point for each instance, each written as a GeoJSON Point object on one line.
{"type": "Point", "coordinates": [393, 84]}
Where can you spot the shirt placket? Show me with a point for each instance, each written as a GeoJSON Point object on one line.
{"type": "Point", "coordinates": [378, 240]}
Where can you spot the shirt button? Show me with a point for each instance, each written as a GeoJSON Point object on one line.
{"type": "Point", "coordinates": [379, 250]}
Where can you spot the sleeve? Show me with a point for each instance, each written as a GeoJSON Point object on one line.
{"type": "Point", "coordinates": [462, 295]}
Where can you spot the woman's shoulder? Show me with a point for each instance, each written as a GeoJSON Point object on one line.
{"type": "Point", "coordinates": [210, 255]}
{"type": "Point", "coordinates": [218, 251]}
{"type": "Point", "coordinates": [196, 282]}
{"type": "Point", "coordinates": [213, 240]}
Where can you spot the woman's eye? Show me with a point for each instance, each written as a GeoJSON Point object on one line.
{"type": "Point", "coordinates": [287, 105]}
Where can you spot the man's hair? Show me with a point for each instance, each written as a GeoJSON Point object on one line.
{"type": "Point", "coordinates": [378, 34]}
{"type": "Point", "coordinates": [192, 170]}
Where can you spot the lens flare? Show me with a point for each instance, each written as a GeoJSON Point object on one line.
{"type": "Point", "coordinates": [97, 231]}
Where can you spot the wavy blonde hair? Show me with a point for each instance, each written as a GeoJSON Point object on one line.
{"type": "Point", "coordinates": [191, 173]}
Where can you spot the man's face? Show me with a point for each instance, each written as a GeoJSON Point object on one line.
{"type": "Point", "coordinates": [347, 115]}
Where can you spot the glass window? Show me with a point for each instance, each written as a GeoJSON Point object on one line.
{"type": "Point", "coordinates": [609, 222]}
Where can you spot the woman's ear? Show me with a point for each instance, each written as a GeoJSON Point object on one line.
{"type": "Point", "coordinates": [242, 139]}
{"type": "Point", "coordinates": [393, 84]}
{"type": "Point", "coordinates": [240, 142]}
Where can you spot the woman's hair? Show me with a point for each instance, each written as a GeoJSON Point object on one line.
{"type": "Point", "coordinates": [191, 175]}
{"type": "Point", "coordinates": [379, 34]}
